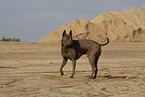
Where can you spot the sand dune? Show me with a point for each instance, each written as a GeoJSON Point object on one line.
{"type": "Point", "coordinates": [117, 26]}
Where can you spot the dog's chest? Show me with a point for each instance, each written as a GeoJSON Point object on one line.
{"type": "Point", "coordinates": [68, 53]}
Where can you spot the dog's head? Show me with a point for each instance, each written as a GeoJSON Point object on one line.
{"type": "Point", "coordinates": [67, 38]}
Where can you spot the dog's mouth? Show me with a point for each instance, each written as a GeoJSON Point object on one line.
{"type": "Point", "coordinates": [69, 43]}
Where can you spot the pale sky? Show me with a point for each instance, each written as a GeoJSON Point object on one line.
{"type": "Point", "coordinates": [31, 20]}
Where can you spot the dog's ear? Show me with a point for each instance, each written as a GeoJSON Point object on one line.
{"type": "Point", "coordinates": [64, 33]}
{"type": "Point", "coordinates": [70, 33]}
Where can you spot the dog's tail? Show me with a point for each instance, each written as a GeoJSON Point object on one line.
{"type": "Point", "coordinates": [105, 43]}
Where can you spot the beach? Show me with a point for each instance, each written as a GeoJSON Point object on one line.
{"type": "Point", "coordinates": [31, 69]}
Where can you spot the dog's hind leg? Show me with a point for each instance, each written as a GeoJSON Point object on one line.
{"type": "Point", "coordinates": [96, 66]}
{"type": "Point", "coordinates": [93, 59]}
{"type": "Point", "coordinates": [92, 63]}
{"type": "Point", "coordinates": [63, 64]}
{"type": "Point", "coordinates": [73, 68]}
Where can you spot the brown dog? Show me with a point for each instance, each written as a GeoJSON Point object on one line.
{"type": "Point", "coordinates": [74, 49]}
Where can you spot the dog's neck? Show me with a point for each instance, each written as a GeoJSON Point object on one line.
{"type": "Point", "coordinates": [65, 46]}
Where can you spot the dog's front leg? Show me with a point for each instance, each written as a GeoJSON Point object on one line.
{"type": "Point", "coordinates": [63, 64]}
{"type": "Point", "coordinates": [73, 68]}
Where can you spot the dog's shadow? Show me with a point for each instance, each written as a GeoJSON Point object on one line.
{"type": "Point", "coordinates": [8, 67]}
{"type": "Point", "coordinates": [117, 77]}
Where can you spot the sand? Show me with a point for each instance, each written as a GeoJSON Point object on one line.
{"type": "Point", "coordinates": [31, 69]}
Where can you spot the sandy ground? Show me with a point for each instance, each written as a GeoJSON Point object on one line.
{"type": "Point", "coordinates": [30, 69]}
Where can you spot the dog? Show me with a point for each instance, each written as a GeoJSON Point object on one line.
{"type": "Point", "coordinates": [74, 49]}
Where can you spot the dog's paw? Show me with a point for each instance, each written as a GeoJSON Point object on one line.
{"type": "Point", "coordinates": [61, 73]}
{"type": "Point", "coordinates": [91, 77]}
{"type": "Point", "coordinates": [71, 76]}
